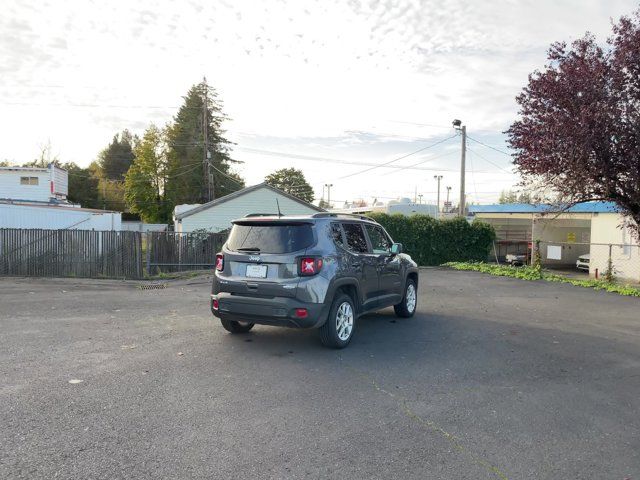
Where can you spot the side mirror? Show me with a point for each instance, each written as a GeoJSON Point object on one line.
{"type": "Point", "coordinates": [396, 248]}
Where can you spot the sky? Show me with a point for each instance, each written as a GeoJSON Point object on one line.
{"type": "Point", "coordinates": [329, 87]}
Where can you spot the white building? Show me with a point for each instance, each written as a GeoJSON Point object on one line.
{"type": "Point", "coordinates": [217, 215]}
{"type": "Point", "coordinates": [594, 228]}
{"type": "Point", "coordinates": [26, 184]}
{"type": "Point", "coordinates": [37, 198]}
{"type": "Point", "coordinates": [404, 206]}
{"type": "Point", "coordinates": [57, 217]}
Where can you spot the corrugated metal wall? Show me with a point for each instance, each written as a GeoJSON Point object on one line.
{"type": "Point", "coordinates": [31, 216]}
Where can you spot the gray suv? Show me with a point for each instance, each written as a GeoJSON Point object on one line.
{"type": "Point", "coordinates": [317, 271]}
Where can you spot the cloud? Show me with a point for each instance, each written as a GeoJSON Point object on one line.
{"type": "Point", "coordinates": [347, 79]}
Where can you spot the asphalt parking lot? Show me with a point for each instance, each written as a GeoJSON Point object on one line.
{"type": "Point", "coordinates": [493, 378]}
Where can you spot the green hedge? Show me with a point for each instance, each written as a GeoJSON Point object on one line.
{"type": "Point", "coordinates": [434, 242]}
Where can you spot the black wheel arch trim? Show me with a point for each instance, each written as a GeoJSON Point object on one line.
{"type": "Point", "coordinates": [344, 282]}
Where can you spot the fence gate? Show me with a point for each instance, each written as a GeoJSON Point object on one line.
{"type": "Point", "coordinates": [176, 252]}
{"type": "Point", "coordinates": [70, 253]}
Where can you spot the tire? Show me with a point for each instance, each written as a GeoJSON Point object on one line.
{"type": "Point", "coordinates": [236, 327]}
{"type": "Point", "coordinates": [407, 307]}
{"type": "Point", "coordinates": [335, 333]}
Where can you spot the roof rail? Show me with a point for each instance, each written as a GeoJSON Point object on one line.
{"type": "Point", "coordinates": [335, 215]}
{"type": "Point", "coordinates": [260, 215]}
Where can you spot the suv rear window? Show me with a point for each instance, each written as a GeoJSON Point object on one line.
{"type": "Point", "coordinates": [270, 238]}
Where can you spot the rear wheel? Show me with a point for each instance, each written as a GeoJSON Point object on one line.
{"type": "Point", "coordinates": [407, 307]}
{"type": "Point", "coordinates": [337, 331]}
{"type": "Point", "coordinates": [236, 327]}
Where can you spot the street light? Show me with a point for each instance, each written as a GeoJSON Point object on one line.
{"type": "Point", "coordinates": [438, 178]}
{"type": "Point", "coordinates": [328, 185]}
{"type": "Point", "coordinates": [457, 124]}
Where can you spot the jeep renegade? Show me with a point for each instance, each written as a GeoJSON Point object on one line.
{"type": "Point", "coordinates": [317, 271]}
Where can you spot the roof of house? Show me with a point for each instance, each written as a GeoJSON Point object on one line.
{"type": "Point", "coordinates": [586, 207]}
{"type": "Point", "coordinates": [23, 169]}
{"type": "Point", "coordinates": [239, 193]}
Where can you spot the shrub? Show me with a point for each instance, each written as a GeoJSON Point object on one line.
{"type": "Point", "coordinates": [536, 273]}
{"type": "Point", "coordinates": [434, 242]}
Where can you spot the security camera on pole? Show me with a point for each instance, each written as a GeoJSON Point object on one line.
{"type": "Point", "coordinates": [457, 124]}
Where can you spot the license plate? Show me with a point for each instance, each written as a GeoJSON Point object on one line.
{"type": "Point", "coordinates": [257, 271]}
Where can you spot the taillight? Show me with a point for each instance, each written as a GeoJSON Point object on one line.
{"type": "Point", "coordinates": [219, 262]}
{"type": "Point", "coordinates": [310, 266]}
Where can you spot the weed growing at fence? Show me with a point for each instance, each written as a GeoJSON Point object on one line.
{"type": "Point", "coordinates": [533, 273]}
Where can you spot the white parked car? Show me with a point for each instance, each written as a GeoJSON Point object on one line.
{"type": "Point", "coordinates": [583, 262]}
{"type": "Point", "coordinates": [516, 260]}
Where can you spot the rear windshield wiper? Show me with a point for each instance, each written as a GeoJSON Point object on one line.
{"type": "Point", "coordinates": [248, 249]}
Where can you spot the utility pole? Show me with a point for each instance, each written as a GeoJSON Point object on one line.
{"type": "Point", "coordinates": [438, 178]}
{"type": "Point", "coordinates": [207, 188]}
{"type": "Point", "coordinates": [420, 198]}
{"type": "Point", "coordinates": [457, 124]}
{"type": "Point", "coordinates": [448, 191]}
{"type": "Point", "coordinates": [329, 185]}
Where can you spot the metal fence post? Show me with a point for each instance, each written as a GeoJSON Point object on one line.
{"type": "Point", "coordinates": [147, 245]}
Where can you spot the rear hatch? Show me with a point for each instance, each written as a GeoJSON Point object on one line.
{"type": "Point", "coordinates": [261, 257]}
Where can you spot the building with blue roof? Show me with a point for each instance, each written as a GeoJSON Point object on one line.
{"type": "Point", "coordinates": [566, 233]}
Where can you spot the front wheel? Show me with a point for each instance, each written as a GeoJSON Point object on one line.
{"type": "Point", "coordinates": [337, 331]}
{"type": "Point", "coordinates": [236, 327]}
{"type": "Point", "coordinates": [407, 307]}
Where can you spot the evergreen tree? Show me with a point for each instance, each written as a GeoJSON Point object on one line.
{"type": "Point", "coordinates": [116, 159]}
{"type": "Point", "coordinates": [83, 186]}
{"type": "Point", "coordinates": [185, 150]}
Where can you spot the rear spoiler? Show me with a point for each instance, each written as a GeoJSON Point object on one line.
{"type": "Point", "coordinates": [270, 221]}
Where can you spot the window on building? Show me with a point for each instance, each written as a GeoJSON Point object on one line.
{"type": "Point", "coordinates": [29, 180]}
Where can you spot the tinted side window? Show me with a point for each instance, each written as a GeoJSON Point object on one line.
{"type": "Point", "coordinates": [336, 234]}
{"type": "Point", "coordinates": [355, 237]}
{"type": "Point", "coordinates": [379, 240]}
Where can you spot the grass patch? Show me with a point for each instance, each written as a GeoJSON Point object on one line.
{"type": "Point", "coordinates": [534, 273]}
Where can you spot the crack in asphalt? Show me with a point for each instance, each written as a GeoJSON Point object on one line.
{"type": "Point", "coordinates": [451, 438]}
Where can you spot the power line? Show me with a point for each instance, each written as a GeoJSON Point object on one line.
{"type": "Point", "coordinates": [489, 161]}
{"type": "Point", "coordinates": [424, 161]}
{"type": "Point", "coordinates": [332, 160]}
{"type": "Point", "coordinates": [489, 146]}
{"type": "Point", "coordinates": [227, 175]}
{"type": "Point", "coordinates": [398, 158]}
{"type": "Point", "coordinates": [95, 105]}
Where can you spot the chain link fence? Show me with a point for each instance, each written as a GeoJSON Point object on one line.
{"type": "Point", "coordinates": [609, 261]}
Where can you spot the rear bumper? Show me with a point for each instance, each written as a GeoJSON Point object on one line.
{"type": "Point", "coordinates": [277, 311]}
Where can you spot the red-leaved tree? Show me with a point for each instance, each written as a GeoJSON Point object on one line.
{"type": "Point", "coordinates": [579, 127]}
